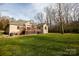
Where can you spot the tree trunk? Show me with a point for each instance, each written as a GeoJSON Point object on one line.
{"type": "Point", "coordinates": [61, 20]}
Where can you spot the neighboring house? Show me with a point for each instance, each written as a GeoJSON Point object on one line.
{"type": "Point", "coordinates": [25, 28]}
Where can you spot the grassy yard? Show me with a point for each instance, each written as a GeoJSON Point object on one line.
{"type": "Point", "coordinates": [40, 45]}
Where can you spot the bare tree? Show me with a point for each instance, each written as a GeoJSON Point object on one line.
{"type": "Point", "coordinates": [66, 12]}
{"type": "Point", "coordinates": [39, 17]}
{"type": "Point", "coordinates": [50, 15]}
{"type": "Point", "coordinates": [61, 18]}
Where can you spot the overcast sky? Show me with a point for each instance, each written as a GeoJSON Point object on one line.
{"type": "Point", "coordinates": [21, 10]}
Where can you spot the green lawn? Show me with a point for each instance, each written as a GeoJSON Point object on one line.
{"type": "Point", "coordinates": [40, 45]}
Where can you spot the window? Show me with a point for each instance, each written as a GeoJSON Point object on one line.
{"type": "Point", "coordinates": [28, 28]}
{"type": "Point", "coordinates": [17, 27]}
{"type": "Point", "coordinates": [45, 27]}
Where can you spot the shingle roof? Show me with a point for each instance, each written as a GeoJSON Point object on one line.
{"type": "Point", "coordinates": [17, 22]}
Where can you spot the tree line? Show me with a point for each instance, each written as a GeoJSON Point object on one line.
{"type": "Point", "coordinates": [60, 17]}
